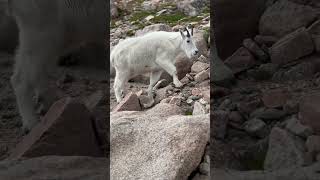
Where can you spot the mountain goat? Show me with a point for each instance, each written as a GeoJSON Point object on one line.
{"type": "Point", "coordinates": [154, 52]}
{"type": "Point", "coordinates": [49, 29]}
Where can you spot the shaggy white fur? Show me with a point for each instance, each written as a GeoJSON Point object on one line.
{"type": "Point", "coordinates": [154, 52]}
{"type": "Point", "coordinates": [47, 30]}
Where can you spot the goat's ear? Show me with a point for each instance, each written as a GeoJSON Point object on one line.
{"type": "Point", "coordinates": [182, 34]}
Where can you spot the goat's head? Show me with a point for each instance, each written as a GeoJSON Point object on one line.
{"type": "Point", "coordinates": [188, 45]}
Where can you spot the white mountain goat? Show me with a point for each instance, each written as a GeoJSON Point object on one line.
{"type": "Point", "coordinates": [49, 29]}
{"type": "Point", "coordinates": [154, 52]}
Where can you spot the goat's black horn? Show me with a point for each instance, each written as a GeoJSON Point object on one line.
{"type": "Point", "coordinates": [188, 34]}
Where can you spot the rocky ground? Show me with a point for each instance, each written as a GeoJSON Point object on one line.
{"type": "Point", "coordinates": [265, 113]}
{"type": "Point", "coordinates": [77, 81]}
{"type": "Point", "coordinates": [176, 113]}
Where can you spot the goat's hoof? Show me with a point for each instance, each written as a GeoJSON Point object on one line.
{"type": "Point", "coordinates": [178, 84]}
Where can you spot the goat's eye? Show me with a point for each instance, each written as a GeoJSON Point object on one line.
{"type": "Point", "coordinates": [188, 41]}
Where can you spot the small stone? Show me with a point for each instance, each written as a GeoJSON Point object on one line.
{"type": "Point", "coordinates": [313, 144]}
{"type": "Point", "coordinates": [203, 59]}
{"type": "Point", "coordinates": [146, 101]}
{"type": "Point", "coordinates": [255, 50]}
{"type": "Point", "coordinates": [199, 66]}
{"type": "Point", "coordinates": [129, 103]}
{"type": "Point", "coordinates": [202, 101]}
{"type": "Point", "coordinates": [204, 168]}
{"type": "Point", "coordinates": [201, 76]}
{"type": "Point", "coordinates": [255, 127]}
{"type": "Point", "coordinates": [198, 109]}
{"type": "Point", "coordinates": [189, 101]}
{"type": "Point", "coordinates": [275, 98]}
{"type": "Point", "coordinates": [294, 126]}
{"type": "Point", "coordinates": [176, 100]}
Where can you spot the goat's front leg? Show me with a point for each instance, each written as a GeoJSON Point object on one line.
{"type": "Point", "coordinates": [154, 78]}
{"type": "Point", "coordinates": [36, 55]}
{"type": "Point", "coordinates": [171, 69]}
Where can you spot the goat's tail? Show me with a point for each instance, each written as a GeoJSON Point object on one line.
{"type": "Point", "coordinates": [112, 69]}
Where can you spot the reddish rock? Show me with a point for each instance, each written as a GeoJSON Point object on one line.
{"type": "Point", "coordinates": [65, 130]}
{"type": "Point", "coordinates": [275, 98]}
{"type": "Point", "coordinates": [129, 103]}
{"type": "Point", "coordinates": [199, 66]}
{"type": "Point", "coordinates": [310, 112]}
{"type": "Point", "coordinates": [292, 47]}
{"type": "Point", "coordinates": [241, 60]}
{"type": "Point", "coordinates": [196, 92]}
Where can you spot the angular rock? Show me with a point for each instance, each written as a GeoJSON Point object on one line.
{"type": "Point", "coordinates": [235, 119]}
{"type": "Point", "coordinates": [313, 144]}
{"type": "Point", "coordinates": [267, 40]}
{"type": "Point", "coordinates": [284, 17]}
{"type": "Point", "coordinates": [309, 112]}
{"type": "Point", "coordinates": [294, 126]}
{"type": "Point", "coordinates": [240, 61]}
{"type": "Point", "coordinates": [300, 71]}
{"type": "Point", "coordinates": [256, 127]}
{"type": "Point", "coordinates": [222, 75]}
{"type": "Point", "coordinates": [314, 30]}
{"type": "Point", "coordinates": [202, 76]}
{"type": "Point", "coordinates": [55, 167]}
{"type": "Point", "coordinates": [198, 109]}
{"type": "Point", "coordinates": [285, 151]}
{"type": "Point", "coordinates": [268, 114]}
{"type": "Point", "coordinates": [146, 101]}
{"type": "Point", "coordinates": [275, 98]}
{"type": "Point", "coordinates": [199, 66]}
{"type": "Point", "coordinates": [57, 133]}
{"type": "Point", "coordinates": [255, 50]}
{"type": "Point", "coordinates": [263, 72]}
{"type": "Point", "coordinates": [149, 145]}
{"type": "Point", "coordinates": [206, 95]}
{"type": "Point", "coordinates": [292, 47]}
{"type": "Point", "coordinates": [129, 103]}
{"type": "Point", "coordinates": [176, 100]}
{"type": "Point", "coordinates": [220, 122]}
{"type": "Point", "coordinates": [291, 107]}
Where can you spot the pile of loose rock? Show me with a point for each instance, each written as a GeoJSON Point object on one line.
{"type": "Point", "coordinates": [266, 122]}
